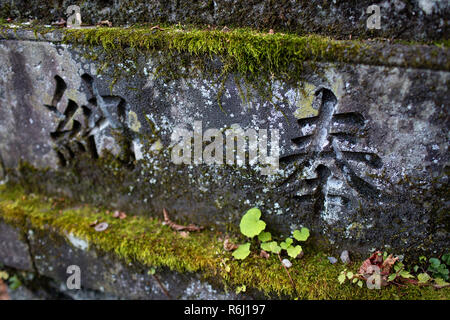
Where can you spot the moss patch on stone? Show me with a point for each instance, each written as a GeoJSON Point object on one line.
{"type": "Point", "coordinates": [247, 50]}
{"type": "Point", "coordinates": [255, 58]}
{"type": "Point", "coordinates": [148, 241]}
{"type": "Point", "coordinates": [252, 57]}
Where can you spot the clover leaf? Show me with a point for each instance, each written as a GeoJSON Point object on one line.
{"type": "Point", "coordinates": [250, 224]}
{"type": "Point", "coordinates": [293, 252]}
{"type": "Point", "coordinates": [435, 262]}
{"type": "Point", "coordinates": [423, 277]}
{"type": "Point", "coordinates": [342, 277]}
{"type": "Point", "coordinates": [242, 251]}
{"type": "Point", "coordinates": [271, 247]}
{"type": "Point", "coordinates": [264, 236]}
{"type": "Point", "coordinates": [301, 235]}
{"type": "Point", "coordinates": [286, 244]}
{"type": "Point", "coordinates": [446, 258]}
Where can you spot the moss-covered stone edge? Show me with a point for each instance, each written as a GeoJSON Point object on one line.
{"type": "Point", "coordinates": [255, 60]}
{"type": "Point", "coordinates": [153, 244]}
{"type": "Point", "coordinates": [324, 17]}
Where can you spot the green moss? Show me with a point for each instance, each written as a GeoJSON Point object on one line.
{"type": "Point", "coordinates": [151, 243]}
{"type": "Point", "coordinates": [256, 58]}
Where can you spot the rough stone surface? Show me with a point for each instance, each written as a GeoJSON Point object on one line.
{"type": "Point", "coordinates": [102, 275]}
{"type": "Point", "coordinates": [345, 257]}
{"type": "Point", "coordinates": [13, 250]}
{"type": "Point", "coordinates": [364, 149]}
{"type": "Point", "coordinates": [332, 260]}
{"type": "Point", "coordinates": [417, 19]}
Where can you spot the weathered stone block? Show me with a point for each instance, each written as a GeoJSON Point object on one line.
{"type": "Point", "coordinates": [363, 148]}
{"type": "Point", "coordinates": [400, 19]}
{"type": "Point", "coordinates": [101, 272]}
{"type": "Point", "coordinates": [14, 249]}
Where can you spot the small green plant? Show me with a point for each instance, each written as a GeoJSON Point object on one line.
{"type": "Point", "coordinates": [344, 275]}
{"type": "Point", "coordinates": [242, 251]}
{"type": "Point", "coordinates": [423, 277]}
{"type": "Point", "coordinates": [392, 271]}
{"type": "Point", "coordinates": [240, 289]}
{"type": "Point", "coordinates": [14, 282]}
{"type": "Point", "coordinates": [439, 269]}
{"type": "Point", "coordinates": [4, 275]}
{"type": "Point", "coordinates": [436, 270]}
{"type": "Point", "coordinates": [400, 271]}
{"type": "Point", "coordinates": [252, 226]}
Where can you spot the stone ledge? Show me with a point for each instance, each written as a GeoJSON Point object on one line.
{"type": "Point", "coordinates": [307, 47]}
{"type": "Point", "coordinates": [399, 18]}
{"type": "Point", "coordinates": [58, 235]}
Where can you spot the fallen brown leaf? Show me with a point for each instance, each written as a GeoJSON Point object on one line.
{"type": "Point", "coordinates": [228, 245]}
{"type": "Point", "coordinates": [300, 255]}
{"type": "Point", "coordinates": [60, 23]}
{"type": "Point", "coordinates": [93, 224]}
{"type": "Point", "coordinates": [157, 27]}
{"type": "Point", "coordinates": [376, 259]}
{"type": "Point", "coordinates": [106, 23]}
{"type": "Point", "coordinates": [184, 234]}
{"type": "Point", "coordinates": [3, 291]}
{"type": "Point", "coordinates": [264, 254]}
{"type": "Point", "coordinates": [178, 227]}
{"type": "Point", "coordinates": [388, 263]}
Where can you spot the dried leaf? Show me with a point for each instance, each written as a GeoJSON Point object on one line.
{"type": "Point", "coordinates": [184, 234]}
{"type": "Point", "coordinates": [101, 227]}
{"type": "Point", "coordinates": [93, 224]}
{"type": "Point", "coordinates": [228, 245]}
{"type": "Point", "coordinates": [122, 215]}
{"type": "Point", "coordinates": [376, 259]}
{"type": "Point", "coordinates": [106, 23]}
{"type": "Point", "coordinates": [177, 227]}
{"type": "Point", "coordinates": [157, 27]}
{"type": "Point", "coordinates": [388, 263]}
{"type": "Point", "coordinates": [60, 23]}
{"type": "Point", "coordinates": [3, 291]}
{"type": "Point", "coordinates": [264, 254]}
{"type": "Point", "coordinates": [300, 255]}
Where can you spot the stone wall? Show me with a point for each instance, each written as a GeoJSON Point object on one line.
{"type": "Point", "coordinates": [401, 19]}
{"type": "Point", "coordinates": [363, 148]}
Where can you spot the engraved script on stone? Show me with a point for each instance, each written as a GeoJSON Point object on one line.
{"type": "Point", "coordinates": [101, 112]}
{"type": "Point", "coordinates": [324, 174]}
